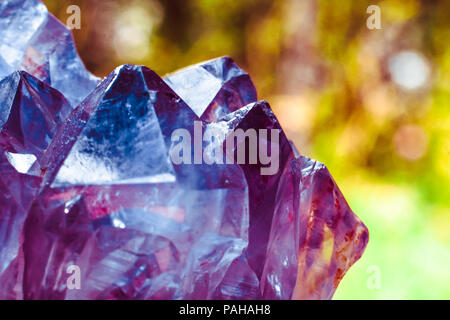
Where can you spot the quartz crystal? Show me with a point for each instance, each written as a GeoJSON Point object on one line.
{"type": "Point", "coordinates": [93, 205]}
{"type": "Point", "coordinates": [220, 86]}
{"type": "Point", "coordinates": [31, 113]}
{"type": "Point", "coordinates": [33, 40]}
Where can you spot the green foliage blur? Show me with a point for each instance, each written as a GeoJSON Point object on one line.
{"type": "Point", "coordinates": [372, 104]}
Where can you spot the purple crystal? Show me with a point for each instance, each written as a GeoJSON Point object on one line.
{"type": "Point", "coordinates": [315, 236]}
{"type": "Point", "coordinates": [43, 47]}
{"type": "Point", "coordinates": [31, 112]}
{"type": "Point", "coordinates": [115, 135]}
{"type": "Point", "coordinates": [135, 230]}
{"type": "Point", "coordinates": [220, 87]}
{"type": "Point", "coordinates": [99, 188]}
{"type": "Point", "coordinates": [262, 188]}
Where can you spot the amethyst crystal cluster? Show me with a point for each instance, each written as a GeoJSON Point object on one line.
{"type": "Point", "coordinates": [86, 181]}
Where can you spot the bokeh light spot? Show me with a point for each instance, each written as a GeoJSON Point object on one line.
{"type": "Point", "coordinates": [411, 142]}
{"type": "Point", "coordinates": [409, 70]}
{"type": "Point", "coordinates": [133, 29]}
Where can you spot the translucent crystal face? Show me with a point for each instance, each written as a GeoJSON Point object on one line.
{"type": "Point", "coordinates": [36, 42]}
{"type": "Point", "coordinates": [213, 88]}
{"type": "Point", "coordinates": [121, 141]}
{"type": "Point", "coordinates": [31, 113]}
{"type": "Point", "coordinates": [95, 187]}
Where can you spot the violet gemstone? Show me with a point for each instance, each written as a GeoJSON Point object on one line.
{"type": "Point", "coordinates": [315, 236]}
{"type": "Point", "coordinates": [220, 87]}
{"type": "Point", "coordinates": [117, 209]}
{"type": "Point", "coordinates": [35, 41]}
{"type": "Point", "coordinates": [31, 113]}
{"type": "Point", "coordinates": [262, 188]}
{"type": "Point", "coordinates": [90, 185]}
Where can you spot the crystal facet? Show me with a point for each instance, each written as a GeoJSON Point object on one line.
{"type": "Point", "coordinates": [118, 209]}
{"type": "Point", "coordinates": [31, 113]}
{"type": "Point", "coordinates": [33, 40]}
{"type": "Point", "coordinates": [89, 182]}
{"type": "Point", "coordinates": [220, 85]}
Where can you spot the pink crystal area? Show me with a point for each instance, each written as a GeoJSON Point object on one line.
{"type": "Point", "coordinates": [86, 180]}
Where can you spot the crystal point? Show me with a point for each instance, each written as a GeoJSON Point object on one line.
{"type": "Point", "coordinates": [43, 47]}
{"type": "Point", "coordinates": [221, 87]}
{"type": "Point", "coordinates": [31, 113]}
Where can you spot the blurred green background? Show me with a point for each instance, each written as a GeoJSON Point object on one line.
{"type": "Point", "coordinates": [373, 105]}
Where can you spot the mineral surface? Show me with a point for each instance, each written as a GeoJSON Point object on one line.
{"type": "Point", "coordinates": [30, 114]}
{"type": "Point", "coordinates": [33, 40]}
{"type": "Point", "coordinates": [220, 87]}
{"type": "Point", "coordinates": [96, 204]}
